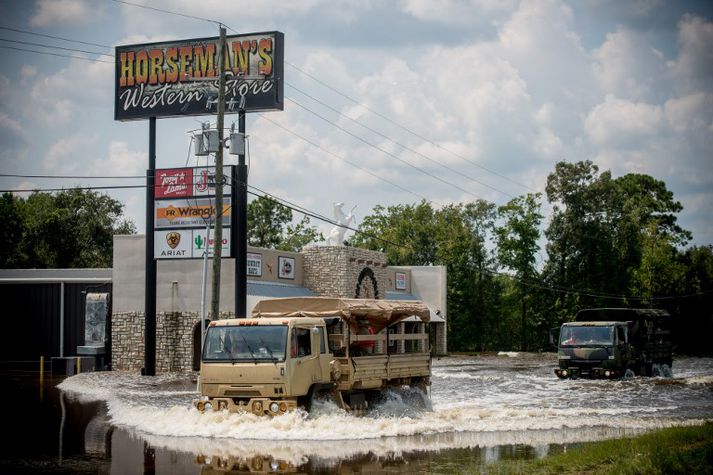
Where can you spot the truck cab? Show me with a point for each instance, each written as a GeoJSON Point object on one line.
{"type": "Point", "coordinates": [592, 349]}
{"type": "Point", "coordinates": [245, 363]}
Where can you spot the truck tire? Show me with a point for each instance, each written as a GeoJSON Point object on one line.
{"type": "Point", "coordinates": [629, 373]}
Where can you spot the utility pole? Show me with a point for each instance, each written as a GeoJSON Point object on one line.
{"type": "Point", "coordinates": [218, 234]}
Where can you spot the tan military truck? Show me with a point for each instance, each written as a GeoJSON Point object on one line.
{"type": "Point", "coordinates": [293, 350]}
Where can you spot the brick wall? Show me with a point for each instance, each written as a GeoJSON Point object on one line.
{"type": "Point", "coordinates": [333, 271]}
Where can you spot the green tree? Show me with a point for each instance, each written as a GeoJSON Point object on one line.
{"type": "Point", "coordinates": [72, 228]}
{"type": "Point", "coordinates": [517, 248]}
{"type": "Point", "coordinates": [599, 229]}
{"type": "Point", "coordinates": [454, 236]}
{"type": "Point", "coordinates": [270, 226]}
{"type": "Point", "coordinates": [406, 233]}
{"type": "Point", "coordinates": [11, 231]}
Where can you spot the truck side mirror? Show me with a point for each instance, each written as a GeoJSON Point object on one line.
{"type": "Point", "coordinates": [553, 338]}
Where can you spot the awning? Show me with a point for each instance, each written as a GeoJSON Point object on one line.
{"type": "Point", "coordinates": [435, 317]}
{"type": "Point", "coordinates": [258, 291]}
{"type": "Point", "coordinates": [380, 313]}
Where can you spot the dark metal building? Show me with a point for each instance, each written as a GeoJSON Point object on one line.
{"type": "Point", "coordinates": [43, 312]}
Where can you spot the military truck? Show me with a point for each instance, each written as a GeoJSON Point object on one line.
{"type": "Point", "coordinates": [615, 342]}
{"type": "Point", "coordinates": [294, 350]}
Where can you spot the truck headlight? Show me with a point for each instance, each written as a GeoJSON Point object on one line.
{"type": "Point", "coordinates": [607, 373]}
{"type": "Point", "coordinates": [274, 407]}
{"type": "Point", "coordinates": [564, 372]}
{"type": "Point", "coordinates": [208, 406]}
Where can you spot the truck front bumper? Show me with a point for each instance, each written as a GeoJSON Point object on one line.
{"type": "Point", "coordinates": [593, 373]}
{"type": "Point", "coordinates": [260, 406]}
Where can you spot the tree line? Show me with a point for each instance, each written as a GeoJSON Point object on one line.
{"type": "Point", "coordinates": [609, 242]}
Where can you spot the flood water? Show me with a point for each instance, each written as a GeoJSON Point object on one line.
{"type": "Point", "coordinates": [482, 409]}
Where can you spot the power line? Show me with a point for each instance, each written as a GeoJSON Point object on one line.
{"type": "Point", "coordinates": [57, 54]}
{"type": "Point", "coordinates": [415, 134]}
{"type": "Point", "coordinates": [27, 32]}
{"type": "Point", "coordinates": [70, 188]}
{"type": "Point", "coordinates": [13, 175]}
{"type": "Point", "coordinates": [146, 7]}
{"type": "Point", "coordinates": [386, 152]}
{"type": "Point", "coordinates": [303, 107]}
{"type": "Point", "coordinates": [405, 147]}
{"type": "Point", "coordinates": [29, 43]}
{"type": "Point", "coordinates": [311, 77]}
{"type": "Point", "coordinates": [316, 145]}
{"type": "Point", "coordinates": [307, 212]}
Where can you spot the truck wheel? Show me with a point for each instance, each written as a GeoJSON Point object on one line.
{"type": "Point", "coordinates": [629, 373]}
{"type": "Point", "coordinates": [656, 371]}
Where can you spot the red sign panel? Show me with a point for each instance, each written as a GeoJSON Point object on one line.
{"type": "Point", "coordinates": [174, 183]}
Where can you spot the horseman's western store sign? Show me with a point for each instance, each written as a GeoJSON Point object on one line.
{"type": "Point", "coordinates": [181, 78]}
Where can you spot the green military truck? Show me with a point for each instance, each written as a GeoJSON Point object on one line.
{"type": "Point", "coordinates": [615, 342]}
{"type": "Point", "coordinates": [295, 349]}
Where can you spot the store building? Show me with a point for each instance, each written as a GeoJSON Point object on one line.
{"type": "Point", "coordinates": [335, 271]}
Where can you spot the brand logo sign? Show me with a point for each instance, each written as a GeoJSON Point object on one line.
{"type": "Point", "coordinates": [174, 183]}
{"type": "Point", "coordinates": [187, 244]}
{"type": "Point", "coordinates": [192, 181]}
{"type": "Point", "coordinates": [204, 181]}
{"type": "Point", "coordinates": [188, 213]}
{"type": "Point", "coordinates": [172, 244]}
{"type": "Point", "coordinates": [202, 243]}
{"type": "Point", "coordinates": [180, 78]}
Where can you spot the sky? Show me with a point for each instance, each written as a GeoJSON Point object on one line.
{"type": "Point", "coordinates": [386, 101]}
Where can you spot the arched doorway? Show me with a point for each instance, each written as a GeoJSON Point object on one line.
{"type": "Point", "coordinates": [197, 345]}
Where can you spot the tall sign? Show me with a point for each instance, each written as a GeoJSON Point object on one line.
{"type": "Point", "coordinates": [180, 78]}
{"type": "Point", "coordinates": [183, 78]}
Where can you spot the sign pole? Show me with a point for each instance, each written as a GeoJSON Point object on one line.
{"type": "Point", "coordinates": [240, 197]}
{"type": "Point", "coordinates": [150, 283]}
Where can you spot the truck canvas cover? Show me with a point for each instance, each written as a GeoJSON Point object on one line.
{"type": "Point", "coordinates": [621, 315]}
{"type": "Point", "coordinates": [381, 313]}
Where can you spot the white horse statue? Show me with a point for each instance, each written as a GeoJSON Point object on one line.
{"type": "Point", "coordinates": [336, 235]}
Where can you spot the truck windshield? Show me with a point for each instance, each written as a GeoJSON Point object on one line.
{"type": "Point", "coordinates": [245, 343]}
{"type": "Point", "coordinates": [587, 336]}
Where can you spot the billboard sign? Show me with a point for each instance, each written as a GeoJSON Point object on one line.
{"type": "Point", "coordinates": [189, 213]}
{"type": "Point", "coordinates": [180, 78]}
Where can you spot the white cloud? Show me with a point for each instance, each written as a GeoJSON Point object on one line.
{"type": "Point", "coordinates": [60, 155]}
{"type": "Point", "coordinates": [694, 111]}
{"type": "Point", "coordinates": [627, 66]}
{"type": "Point", "coordinates": [458, 12]}
{"type": "Point", "coordinates": [121, 161]}
{"type": "Point", "coordinates": [621, 123]}
{"type": "Point", "coordinates": [6, 122]}
{"type": "Point", "coordinates": [64, 12]}
{"type": "Point", "coordinates": [547, 144]}
{"type": "Point", "coordinates": [693, 69]}
{"type": "Point", "coordinates": [28, 71]}
{"type": "Point", "coordinates": [57, 98]}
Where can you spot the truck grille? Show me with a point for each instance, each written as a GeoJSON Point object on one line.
{"type": "Point", "coordinates": [241, 393]}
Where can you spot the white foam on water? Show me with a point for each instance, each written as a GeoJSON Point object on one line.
{"type": "Point", "coordinates": [472, 405]}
